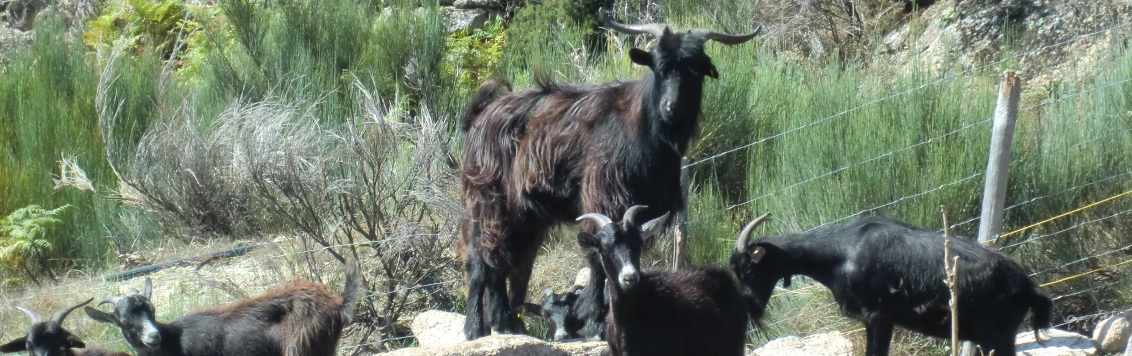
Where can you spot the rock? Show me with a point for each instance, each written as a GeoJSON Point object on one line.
{"type": "Point", "coordinates": [11, 40]}
{"type": "Point", "coordinates": [478, 4]}
{"type": "Point", "coordinates": [466, 19]}
{"type": "Point", "coordinates": [1111, 335]}
{"type": "Point", "coordinates": [21, 13]}
{"type": "Point", "coordinates": [832, 343]}
{"type": "Point", "coordinates": [1057, 343]}
{"type": "Point", "coordinates": [506, 345]}
{"type": "Point", "coordinates": [583, 277]}
{"type": "Point", "coordinates": [437, 328]}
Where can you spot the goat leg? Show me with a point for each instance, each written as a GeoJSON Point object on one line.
{"type": "Point", "coordinates": [503, 318]}
{"type": "Point", "coordinates": [474, 325]}
{"type": "Point", "coordinates": [879, 335]}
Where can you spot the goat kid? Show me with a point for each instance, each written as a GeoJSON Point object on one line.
{"type": "Point", "coordinates": [661, 313]}
{"type": "Point", "coordinates": [49, 338]}
{"type": "Point", "coordinates": [884, 272]}
{"type": "Point", "coordinates": [300, 319]}
{"type": "Point", "coordinates": [573, 314]}
{"type": "Point", "coordinates": [537, 158]}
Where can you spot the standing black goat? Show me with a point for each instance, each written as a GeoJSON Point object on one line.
{"type": "Point", "coordinates": [540, 157]}
{"type": "Point", "coordinates": [659, 313]}
{"type": "Point", "coordinates": [49, 338]}
{"type": "Point", "coordinates": [300, 319]}
{"type": "Point", "coordinates": [884, 272]}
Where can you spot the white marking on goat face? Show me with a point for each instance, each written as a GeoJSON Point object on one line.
{"type": "Point", "coordinates": [149, 334]}
{"type": "Point", "coordinates": [560, 334]}
{"type": "Point", "coordinates": [628, 276]}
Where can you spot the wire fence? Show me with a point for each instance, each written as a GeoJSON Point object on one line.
{"type": "Point", "coordinates": [1089, 269]}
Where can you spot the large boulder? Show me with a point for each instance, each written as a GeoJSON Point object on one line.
{"type": "Point", "coordinates": [1056, 343]}
{"type": "Point", "coordinates": [1112, 334]}
{"type": "Point", "coordinates": [437, 328]}
{"type": "Point", "coordinates": [506, 345]}
{"type": "Point", "coordinates": [831, 343]}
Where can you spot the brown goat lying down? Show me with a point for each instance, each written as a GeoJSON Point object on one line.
{"type": "Point", "coordinates": [299, 319]}
{"type": "Point", "coordinates": [49, 338]}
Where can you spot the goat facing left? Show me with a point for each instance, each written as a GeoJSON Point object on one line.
{"type": "Point", "coordinates": [659, 313]}
{"type": "Point", "coordinates": [49, 338]}
{"type": "Point", "coordinates": [300, 319]}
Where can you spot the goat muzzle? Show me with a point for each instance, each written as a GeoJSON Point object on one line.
{"type": "Point", "coordinates": [628, 278]}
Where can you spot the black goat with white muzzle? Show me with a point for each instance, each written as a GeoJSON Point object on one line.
{"type": "Point", "coordinates": [884, 273]}
{"type": "Point", "coordinates": [658, 313]}
{"type": "Point", "coordinates": [49, 338]}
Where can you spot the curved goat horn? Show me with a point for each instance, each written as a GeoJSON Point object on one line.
{"type": "Point", "coordinates": [631, 213]}
{"type": "Point", "coordinates": [111, 300]}
{"type": "Point", "coordinates": [35, 318]}
{"type": "Point", "coordinates": [57, 319]}
{"type": "Point", "coordinates": [741, 242]}
{"type": "Point", "coordinates": [600, 219]}
{"type": "Point", "coordinates": [654, 29]}
{"type": "Point", "coordinates": [727, 39]}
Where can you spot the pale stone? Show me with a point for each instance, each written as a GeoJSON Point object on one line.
{"type": "Point", "coordinates": [436, 328]}
{"type": "Point", "coordinates": [506, 345]}
{"type": "Point", "coordinates": [1056, 343]}
{"type": "Point", "coordinates": [1111, 335]}
{"type": "Point", "coordinates": [831, 343]}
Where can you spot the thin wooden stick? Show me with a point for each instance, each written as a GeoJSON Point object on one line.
{"type": "Point", "coordinates": [950, 266]}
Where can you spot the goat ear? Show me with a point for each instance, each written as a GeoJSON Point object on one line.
{"type": "Point", "coordinates": [75, 342]}
{"type": "Point", "coordinates": [100, 316]}
{"type": "Point", "coordinates": [786, 281]}
{"type": "Point", "coordinates": [148, 290]}
{"type": "Point", "coordinates": [757, 254]}
{"type": "Point", "coordinates": [640, 56]}
{"type": "Point", "coordinates": [17, 345]}
{"type": "Point", "coordinates": [589, 241]}
{"type": "Point", "coordinates": [712, 72]}
{"type": "Point", "coordinates": [653, 227]}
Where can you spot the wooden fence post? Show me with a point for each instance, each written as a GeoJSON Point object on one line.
{"type": "Point", "coordinates": [679, 254]}
{"type": "Point", "coordinates": [994, 192]}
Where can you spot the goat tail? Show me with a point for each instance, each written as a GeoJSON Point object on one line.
{"type": "Point", "coordinates": [488, 91]}
{"type": "Point", "coordinates": [352, 292]}
{"type": "Point", "coordinates": [1041, 309]}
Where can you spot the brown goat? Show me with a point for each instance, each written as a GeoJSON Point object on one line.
{"type": "Point", "coordinates": [300, 319]}
{"type": "Point", "coordinates": [539, 157]}
{"type": "Point", "coordinates": [49, 338]}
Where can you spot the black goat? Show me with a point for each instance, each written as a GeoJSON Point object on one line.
{"type": "Point", "coordinates": [540, 157]}
{"type": "Point", "coordinates": [884, 272]}
{"type": "Point", "coordinates": [49, 338]}
{"type": "Point", "coordinates": [571, 314]}
{"type": "Point", "coordinates": [300, 319]}
{"type": "Point", "coordinates": [658, 313]}
{"type": "Point", "coordinates": [558, 309]}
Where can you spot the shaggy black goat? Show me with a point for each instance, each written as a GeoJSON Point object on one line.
{"type": "Point", "coordinates": [49, 338]}
{"type": "Point", "coordinates": [300, 319]}
{"type": "Point", "coordinates": [540, 157]}
{"type": "Point", "coordinates": [658, 313]}
{"type": "Point", "coordinates": [884, 272]}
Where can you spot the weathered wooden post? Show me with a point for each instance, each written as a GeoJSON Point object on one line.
{"type": "Point", "coordinates": [994, 192]}
{"type": "Point", "coordinates": [1002, 136]}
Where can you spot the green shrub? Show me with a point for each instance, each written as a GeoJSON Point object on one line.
{"type": "Point", "coordinates": [25, 245]}
{"type": "Point", "coordinates": [473, 55]}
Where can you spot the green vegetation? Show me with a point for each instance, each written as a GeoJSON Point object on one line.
{"type": "Point", "coordinates": [294, 117]}
{"type": "Point", "coordinates": [25, 245]}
